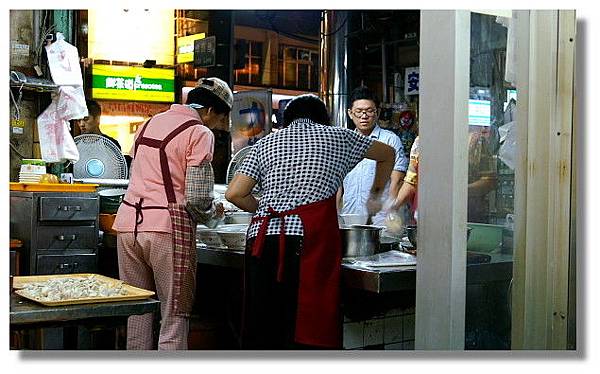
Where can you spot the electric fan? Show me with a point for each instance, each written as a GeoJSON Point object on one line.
{"type": "Point", "coordinates": [100, 161]}
{"type": "Point", "coordinates": [235, 163]}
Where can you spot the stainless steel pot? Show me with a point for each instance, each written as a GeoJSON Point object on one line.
{"type": "Point", "coordinates": [360, 240]}
{"type": "Point", "coordinates": [389, 243]}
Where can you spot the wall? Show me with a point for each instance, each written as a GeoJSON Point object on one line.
{"type": "Point", "coordinates": [378, 321]}
{"type": "Point", "coordinates": [393, 329]}
{"type": "Point", "coordinates": [21, 38]}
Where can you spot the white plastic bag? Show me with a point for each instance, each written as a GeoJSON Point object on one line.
{"type": "Point", "coordinates": [508, 148]}
{"type": "Point", "coordinates": [56, 142]}
{"type": "Point", "coordinates": [63, 60]}
{"type": "Point", "coordinates": [71, 102]}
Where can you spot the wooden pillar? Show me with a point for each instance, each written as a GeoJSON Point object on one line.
{"type": "Point", "coordinates": [444, 89]}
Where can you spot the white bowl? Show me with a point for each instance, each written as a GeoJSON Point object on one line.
{"type": "Point", "coordinates": [233, 227]}
{"type": "Point", "coordinates": [233, 239]}
{"type": "Point", "coordinates": [354, 219]}
{"type": "Point", "coordinates": [233, 236]}
{"type": "Point", "coordinates": [238, 217]}
{"type": "Point", "coordinates": [209, 236]}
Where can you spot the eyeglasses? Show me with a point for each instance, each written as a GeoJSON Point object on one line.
{"type": "Point", "coordinates": [359, 112]}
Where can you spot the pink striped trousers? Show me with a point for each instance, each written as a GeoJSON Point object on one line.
{"type": "Point", "coordinates": [148, 263]}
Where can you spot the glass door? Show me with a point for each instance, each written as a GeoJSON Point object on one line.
{"type": "Point", "coordinates": [491, 157]}
{"type": "Point", "coordinates": [495, 202]}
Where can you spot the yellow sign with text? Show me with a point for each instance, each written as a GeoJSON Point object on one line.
{"type": "Point", "coordinates": [185, 47]}
{"type": "Point", "coordinates": [133, 83]}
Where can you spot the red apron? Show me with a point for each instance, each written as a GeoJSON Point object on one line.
{"type": "Point", "coordinates": [182, 226]}
{"type": "Point", "coordinates": [318, 317]}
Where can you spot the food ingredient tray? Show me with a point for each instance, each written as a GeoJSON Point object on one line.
{"type": "Point", "coordinates": [133, 293]}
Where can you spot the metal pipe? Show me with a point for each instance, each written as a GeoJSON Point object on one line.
{"type": "Point", "coordinates": [37, 33]}
{"type": "Point", "coordinates": [383, 72]}
{"type": "Point", "coordinates": [324, 47]}
{"type": "Point", "coordinates": [334, 65]}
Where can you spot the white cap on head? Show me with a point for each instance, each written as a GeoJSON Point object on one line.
{"type": "Point", "coordinates": [219, 88]}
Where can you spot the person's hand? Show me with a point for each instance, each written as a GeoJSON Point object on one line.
{"type": "Point", "coordinates": [219, 210]}
{"type": "Point", "coordinates": [394, 223]}
{"type": "Point", "coordinates": [374, 204]}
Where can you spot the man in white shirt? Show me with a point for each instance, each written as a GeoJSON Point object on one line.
{"type": "Point", "coordinates": [353, 196]}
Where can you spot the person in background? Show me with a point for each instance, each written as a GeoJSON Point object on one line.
{"type": "Point", "coordinates": [292, 267]}
{"type": "Point", "coordinates": [353, 196]}
{"type": "Point", "coordinates": [408, 190]}
{"type": "Point", "coordinates": [481, 174]}
{"type": "Point", "coordinates": [91, 123]}
{"type": "Point", "coordinates": [170, 191]}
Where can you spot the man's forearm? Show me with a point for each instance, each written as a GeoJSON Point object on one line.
{"type": "Point", "coordinates": [481, 186]}
{"type": "Point", "coordinates": [199, 184]}
{"type": "Point", "coordinates": [396, 181]}
{"type": "Point", "coordinates": [239, 192]}
{"type": "Point", "coordinates": [407, 191]}
{"type": "Point", "coordinates": [382, 174]}
{"type": "Point", "coordinates": [248, 203]}
{"type": "Point", "coordinates": [339, 199]}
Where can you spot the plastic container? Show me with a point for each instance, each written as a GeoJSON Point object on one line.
{"type": "Point", "coordinates": [106, 221]}
{"type": "Point", "coordinates": [110, 199]}
{"type": "Point", "coordinates": [484, 237]}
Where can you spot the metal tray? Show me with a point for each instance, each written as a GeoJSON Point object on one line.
{"type": "Point", "coordinates": [53, 187]}
{"type": "Point", "coordinates": [133, 293]}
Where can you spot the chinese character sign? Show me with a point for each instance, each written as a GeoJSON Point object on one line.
{"type": "Point", "coordinates": [131, 83]}
{"type": "Point", "coordinates": [411, 81]}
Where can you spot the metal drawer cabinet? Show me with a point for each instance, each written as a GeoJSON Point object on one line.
{"type": "Point", "coordinates": [68, 209]}
{"type": "Point", "coordinates": [67, 237]}
{"type": "Point", "coordinates": [59, 231]}
{"type": "Point", "coordinates": [57, 264]}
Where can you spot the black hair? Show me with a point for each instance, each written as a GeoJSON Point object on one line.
{"type": "Point", "coordinates": [204, 97]}
{"type": "Point", "coordinates": [363, 93]}
{"type": "Point", "coordinates": [93, 108]}
{"type": "Point", "coordinates": [306, 106]}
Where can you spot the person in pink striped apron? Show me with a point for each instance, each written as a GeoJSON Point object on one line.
{"type": "Point", "coordinates": [170, 190]}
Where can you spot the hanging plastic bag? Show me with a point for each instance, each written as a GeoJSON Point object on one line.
{"type": "Point", "coordinates": [56, 142]}
{"type": "Point", "coordinates": [508, 148]}
{"type": "Point", "coordinates": [71, 102]}
{"type": "Point", "coordinates": [63, 60]}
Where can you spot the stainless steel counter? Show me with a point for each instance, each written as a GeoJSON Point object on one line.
{"type": "Point", "coordinates": [382, 280]}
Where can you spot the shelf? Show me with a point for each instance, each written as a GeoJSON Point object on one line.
{"type": "Point", "coordinates": [34, 87]}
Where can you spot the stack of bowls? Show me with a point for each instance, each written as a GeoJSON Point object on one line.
{"type": "Point", "coordinates": [32, 170]}
{"type": "Point", "coordinates": [233, 236]}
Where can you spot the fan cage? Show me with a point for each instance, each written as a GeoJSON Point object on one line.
{"type": "Point", "coordinates": [236, 161]}
{"type": "Point", "coordinates": [99, 158]}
